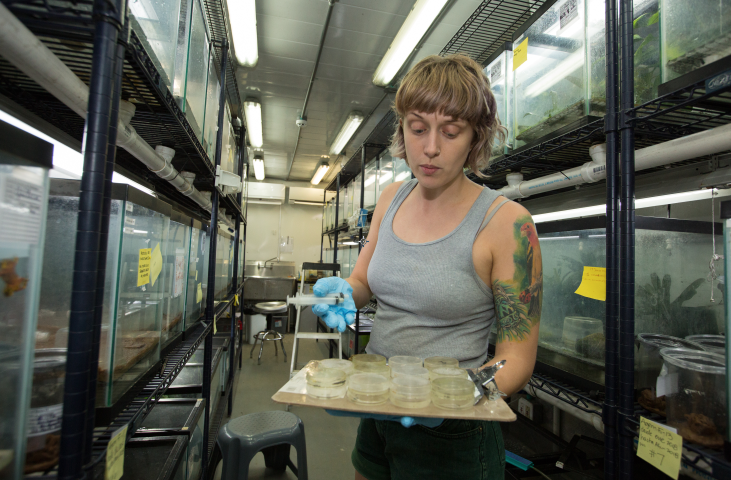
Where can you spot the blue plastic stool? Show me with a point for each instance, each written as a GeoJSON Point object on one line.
{"type": "Point", "coordinates": [269, 432]}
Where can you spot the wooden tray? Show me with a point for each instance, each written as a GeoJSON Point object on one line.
{"type": "Point", "coordinates": [294, 393]}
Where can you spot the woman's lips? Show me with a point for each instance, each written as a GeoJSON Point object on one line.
{"type": "Point", "coordinates": [428, 169]}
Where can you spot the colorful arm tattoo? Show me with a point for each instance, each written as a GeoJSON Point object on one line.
{"type": "Point", "coordinates": [518, 301]}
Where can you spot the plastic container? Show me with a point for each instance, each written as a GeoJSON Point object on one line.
{"type": "Point", "coordinates": [449, 372]}
{"type": "Point", "coordinates": [712, 343]}
{"type": "Point", "coordinates": [409, 371]}
{"type": "Point", "coordinates": [452, 393]}
{"type": "Point", "coordinates": [577, 328]}
{"type": "Point", "coordinates": [368, 388]}
{"type": "Point", "coordinates": [339, 364]}
{"type": "Point", "coordinates": [326, 383]}
{"type": "Point", "coordinates": [410, 391]}
{"type": "Point", "coordinates": [439, 362]}
{"type": "Point", "coordinates": [696, 395]}
{"type": "Point", "coordinates": [399, 360]}
{"type": "Point", "coordinates": [648, 361]}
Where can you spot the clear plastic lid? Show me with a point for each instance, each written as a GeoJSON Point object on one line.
{"type": "Point", "coordinates": [368, 383]}
{"type": "Point", "coordinates": [655, 340]}
{"type": "Point", "coordinates": [369, 361]}
{"type": "Point", "coordinates": [712, 343]}
{"type": "Point", "coordinates": [704, 362]}
{"type": "Point", "coordinates": [404, 360]}
{"type": "Point", "coordinates": [338, 364]}
{"type": "Point", "coordinates": [453, 386]}
{"type": "Point", "coordinates": [410, 385]}
{"type": "Point", "coordinates": [409, 370]}
{"type": "Point", "coordinates": [448, 372]}
{"type": "Point", "coordinates": [326, 377]}
{"type": "Point", "coordinates": [438, 362]}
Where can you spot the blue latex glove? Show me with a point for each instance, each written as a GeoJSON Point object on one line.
{"type": "Point", "coordinates": [405, 421]}
{"type": "Point", "coordinates": [335, 316]}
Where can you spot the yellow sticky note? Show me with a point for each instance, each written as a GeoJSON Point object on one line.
{"type": "Point", "coordinates": [593, 283]}
{"type": "Point", "coordinates": [520, 54]}
{"type": "Point", "coordinates": [660, 447]}
{"type": "Point", "coordinates": [155, 264]}
{"type": "Point", "coordinates": [143, 267]}
{"type": "Point", "coordinates": [115, 454]}
{"type": "Point", "coordinates": [199, 294]}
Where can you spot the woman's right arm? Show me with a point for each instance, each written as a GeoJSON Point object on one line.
{"type": "Point", "coordinates": [359, 277]}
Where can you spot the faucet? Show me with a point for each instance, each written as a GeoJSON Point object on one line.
{"type": "Point", "coordinates": [265, 261]}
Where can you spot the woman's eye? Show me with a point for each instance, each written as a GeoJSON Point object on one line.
{"type": "Point", "coordinates": [450, 133]}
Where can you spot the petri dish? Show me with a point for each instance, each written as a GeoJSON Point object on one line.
{"type": "Point", "coordinates": [371, 363]}
{"type": "Point", "coordinates": [326, 383]}
{"type": "Point", "coordinates": [404, 360]}
{"type": "Point", "coordinates": [338, 364]}
{"type": "Point", "coordinates": [712, 343]}
{"type": "Point", "coordinates": [448, 372]}
{"type": "Point", "coordinates": [410, 391]}
{"type": "Point", "coordinates": [453, 393]}
{"type": "Point", "coordinates": [368, 388]}
{"type": "Point", "coordinates": [438, 362]}
{"type": "Point", "coordinates": [409, 370]}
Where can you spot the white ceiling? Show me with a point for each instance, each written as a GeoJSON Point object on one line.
{"type": "Point", "coordinates": [359, 34]}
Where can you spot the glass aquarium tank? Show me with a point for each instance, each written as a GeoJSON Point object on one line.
{"type": "Point", "coordinates": [210, 128]}
{"type": "Point", "coordinates": [156, 23]}
{"type": "Point", "coordinates": [401, 170]}
{"type": "Point", "coordinates": [176, 276]}
{"type": "Point", "coordinates": [193, 102]}
{"type": "Point", "coordinates": [672, 296]}
{"type": "Point", "coordinates": [343, 204]}
{"type": "Point", "coordinates": [369, 199]}
{"type": "Point", "coordinates": [197, 274]}
{"type": "Point", "coordinates": [24, 164]}
{"type": "Point", "coordinates": [135, 290]}
{"type": "Point", "coordinates": [694, 34]}
{"type": "Point", "coordinates": [181, 51]}
{"type": "Point", "coordinates": [357, 187]}
{"type": "Point", "coordinates": [499, 72]}
{"type": "Point", "coordinates": [385, 173]}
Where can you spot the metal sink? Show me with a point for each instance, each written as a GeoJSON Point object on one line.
{"type": "Point", "coordinates": [273, 282]}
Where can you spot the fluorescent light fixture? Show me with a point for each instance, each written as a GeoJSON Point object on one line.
{"type": "Point", "coordinates": [252, 110]}
{"type": "Point", "coordinates": [385, 176]}
{"type": "Point", "coordinates": [303, 202]}
{"type": "Point", "coordinates": [562, 70]}
{"type": "Point", "coordinates": [320, 173]}
{"type": "Point", "coordinates": [419, 20]}
{"type": "Point", "coordinates": [559, 238]}
{"type": "Point", "coordinates": [265, 202]}
{"type": "Point", "coordinates": [259, 168]}
{"type": "Point", "coordinates": [402, 176]}
{"type": "Point", "coordinates": [349, 127]}
{"type": "Point", "coordinates": [369, 181]}
{"type": "Point", "coordinates": [349, 243]}
{"type": "Point", "coordinates": [242, 15]}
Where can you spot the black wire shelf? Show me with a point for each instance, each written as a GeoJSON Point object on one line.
{"type": "Point", "coordinates": [564, 392]}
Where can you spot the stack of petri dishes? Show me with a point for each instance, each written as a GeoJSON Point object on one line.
{"type": "Point", "coordinates": [410, 391]}
{"type": "Point", "coordinates": [440, 362]}
{"type": "Point", "coordinates": [326, 383]}
{"type": "Point", "coordinates": [339, 364]}
{"type": "Point", "coordinates": [409, 370]}
{"type": "Point", "coordinates": [452, 393]}
{"type": "Point", "coordinates": [371, 363]}
{"type": "Point", "coordinates": [448, 372]}
{"type": "Point", "coordinates": [368, 388]}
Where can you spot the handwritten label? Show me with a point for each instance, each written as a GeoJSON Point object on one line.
{"type": "Point", "coordinates": [199, 294]}
{"type": "Point", "coordinates": [115, 455]}
{"type": "Point", "coordinates": [520, 54]}
{"type": "Point", "coordinates": [660, 447]}
{"type": "Point", "coordinates": [129, 220]}
{"type": "Point", "coordinates": [128, 207]}
{"type": "Point", "coordinates": [155, 265]}
{"type": "Point", "coordinates": [567, 12]}
{"type": "Point", "coordinates": [143, 267]}
{"type": "Point", "coordinates": [594, 283]}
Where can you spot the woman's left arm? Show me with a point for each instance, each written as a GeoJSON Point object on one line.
{"type": "Point", "coordinates": [517, 287]}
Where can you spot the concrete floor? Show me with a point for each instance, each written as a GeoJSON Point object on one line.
{"type": "Point", "coordinates": [330, 440]}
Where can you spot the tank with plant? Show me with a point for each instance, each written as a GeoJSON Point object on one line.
{"type": "Point", "coordinates": [499, 72]}
{"type": "Point", "coordinates": [672, 294]}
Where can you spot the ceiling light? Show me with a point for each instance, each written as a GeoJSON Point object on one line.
{"type": "Point", "coordinates": [252, 109]}
{"type": "Point", "coordinates": [259, 168]}
{"type": "Point", "coordinates": [242, 15]}
{"type": "Point", "coordinates": [303, 202]}
{"type": "Point", "coordinates": [321, 171]}
{"type": "Point", "coordinates": [422, 15]}
{"type": "Point", "coordinates": [349, 127]}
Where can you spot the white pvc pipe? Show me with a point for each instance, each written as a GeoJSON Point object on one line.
{"type": "Point", "coordinates": [699, 144]}
{"type": "Point", "coordinates": [594, 419]}
{"type": "Point", "coordinates": [23, 49]}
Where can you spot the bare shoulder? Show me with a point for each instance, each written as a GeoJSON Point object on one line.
{"type": "Point", "coordinates": [510, 213]}
{"type": "Point", "coordinates": [385, 200]}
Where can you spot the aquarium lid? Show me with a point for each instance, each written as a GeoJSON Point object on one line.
{"type": "Point", "coordinates": [705, 362]}
{"type": "Point", "coordinates": [180, 217]}
{"type": "Point", "coordinates": [666, 341]}
{"type": "Point", "coordinates": [18, 147]}
{"type": "Point", "coordinates": [70, 188]}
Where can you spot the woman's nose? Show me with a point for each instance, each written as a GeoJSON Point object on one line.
{"type": "Point", "coordinates": [431, 145]}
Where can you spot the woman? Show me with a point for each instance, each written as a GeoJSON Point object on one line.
{"type": "Point", "coordinates": [445, 258]}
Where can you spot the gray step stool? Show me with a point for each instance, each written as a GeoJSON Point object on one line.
{"type": "Point", "coordinates": [269, 432]}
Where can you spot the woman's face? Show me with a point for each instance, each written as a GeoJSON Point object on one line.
{"type": "Point", "coordinates": [436, 147]}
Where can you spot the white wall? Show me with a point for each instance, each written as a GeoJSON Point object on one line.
{"type": "Point", "coordinates": [302, 222]}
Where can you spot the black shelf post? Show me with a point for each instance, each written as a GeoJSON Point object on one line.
{"type": "Point", "coordinates": [609, 413]}
{"type": "Point", "coordinates": [74, 441]}
{"type": "Point", "coordinates": [210, 294]}
{"type": "Point", "coordinates": [627, 246]}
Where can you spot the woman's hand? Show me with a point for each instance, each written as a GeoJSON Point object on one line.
{"type": "Point", "coordinates": [335, 316]}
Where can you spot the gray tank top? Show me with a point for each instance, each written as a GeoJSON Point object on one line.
{"type": "Point", "coordinates": [431, 302]}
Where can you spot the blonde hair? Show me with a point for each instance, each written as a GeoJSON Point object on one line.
{"type": "Point", "coordinates": [453, 86]}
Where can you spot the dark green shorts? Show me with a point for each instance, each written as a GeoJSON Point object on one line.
{"type": "Point", "coordinates": [456, 449]}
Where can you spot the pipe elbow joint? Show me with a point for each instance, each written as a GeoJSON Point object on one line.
{"type": "Point", "coordinates": [596, 169]}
